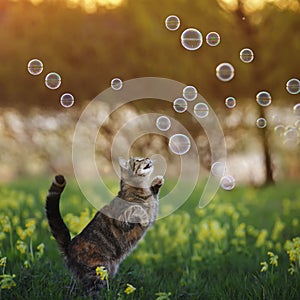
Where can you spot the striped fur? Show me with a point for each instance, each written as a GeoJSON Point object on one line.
{"type": "Point", "coordinates": [115, 230]}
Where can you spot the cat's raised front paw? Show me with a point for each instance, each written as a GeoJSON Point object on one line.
{"type": "Point", "coordinates": [158, 181]}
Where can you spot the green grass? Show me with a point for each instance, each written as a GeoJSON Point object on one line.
{"type": "Point", "coordinates": [210, 253]}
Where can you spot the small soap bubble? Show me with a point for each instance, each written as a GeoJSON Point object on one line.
{"type": "Point", "coordinates": [291, 133]}
{"type": "Point", "coordinates": [263, 98]}
{"type": "Point", "coordinates": [116, 84]}
{"type": "Point", "coordinates": [172, 22]}
{"type": "Point", "coordinates": [279, 130]}
{"type": "Point", "coordinates": [163, 123]}
{"type": "Point", "coordinates": [218, 169]}
{"type": "Point", "coordinates": [180, 105]}
{"type": "Point", "coordinates": [230, 102]}
{"type": "Point", "coordinates": [201, 110]}
{"type": "Point", "coordinates": [191, 39]}
{"type": "Point", "coordinates": [190, 93]}
{"type": "Point", "coordinates": [53, 81]}
{"type": "Point", "coordinates": [297, 124]}
{"type": "Point", "coordinates": [227, 182]}
{"type": "Point", "coordinates": [246, 55]}
{"type": "Point", "coordinates": [293, 86]}
{"type": "Point", "coordinates": [179, 144]}
{"type": "Point", "coordinates": [213, 39]}
{"type": "Point", "coordinates": [296, 109]}
{"type": "Point", "coordinates": [35, 67]}
{"type": "Point", "coordinates": [261, 122]}
{"type": "Point", "coordinates": [67, 100]}
{"type": "Point", "coordinates": [225, 72]}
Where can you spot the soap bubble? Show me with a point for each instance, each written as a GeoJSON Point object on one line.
{"type": "Point", "coordinates": [218, 169]}
{"type": "Point", "coordinates": [116, 84]}
{"type": "Point", "coordinates": [227, 182]}
{"type": "Point", "coordinates": [190, 93]}
{"type": "Point", "coordinates": [213, 39]}
{"type": "Point", "coordinates": [297, 124]}
{"type": "Point", "coordinates": [246, 55]}
{"type": "Point", "coordinates": [296, 109]}
{"type": "Point", "coordinates": [261, 122]}
{"type": "Point", "coordinates": [191, 39]}
{"type": "Point", "coordinates": [179, 144]}
{"type": "Point", "coordinates": [53, 81]}
{"type": "Point", "coordinates": [263, 98]}
{"type": "Point", "coordinates": [291, 133]}
{"type": "Point", "coordinates": [67, 100]}
{"type": "Point", "coordinates": [35, 67]}
{"type": "Point", "coordinates": [279, 130]}
{"type": "Point", "coordinates": [293, 86]}
{"type": "Point", "coordinates": [230, 102]}
{"type": "Point", "coordinates": [225, 71]}
{"type": "Point", "coordinates": [180, 105]}
{"type": "Point", "coordinates": [163, 123]}
{"type": "Point", "coordinates": [172, 22]}
{"type": "Point", "coordinates": [201, 110]}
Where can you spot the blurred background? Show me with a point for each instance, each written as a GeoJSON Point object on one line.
{"type": "Point", "coordinates": [90, 42]}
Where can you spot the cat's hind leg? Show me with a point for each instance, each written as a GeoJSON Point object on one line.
{"type": "Point", "coordinates": [156, 184]}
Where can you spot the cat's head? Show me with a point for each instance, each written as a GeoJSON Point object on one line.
{"type": "Point", "coordinates": [136, 170]}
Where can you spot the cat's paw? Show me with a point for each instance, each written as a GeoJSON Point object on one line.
{"type": "Point", "coordinates": [135, 214]}
{"type": "Point", "coordinates": [158, 181]}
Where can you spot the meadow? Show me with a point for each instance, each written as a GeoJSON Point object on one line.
{"type": "Point", "coordinates": [244, 245]}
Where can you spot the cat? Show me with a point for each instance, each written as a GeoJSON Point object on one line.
{"type": "Point", "coordinates": [116, 228]}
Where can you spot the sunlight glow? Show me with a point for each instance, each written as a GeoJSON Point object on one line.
{"type": "Point", "coordinates": [90, 5]}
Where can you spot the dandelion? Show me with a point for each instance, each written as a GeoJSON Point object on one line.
{"type": "Point", "coordinates": [265, 266]}
{"type": "Point", "coordinates": [273, 259]}
{"type": "Point", "coordinates": [129, 289]}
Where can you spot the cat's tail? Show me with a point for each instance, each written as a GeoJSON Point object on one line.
{"type": "Point", "coordinates": [58, 228]}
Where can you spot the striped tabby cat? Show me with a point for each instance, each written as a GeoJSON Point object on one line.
{"type": "Point", "coordinates": [115, 230]}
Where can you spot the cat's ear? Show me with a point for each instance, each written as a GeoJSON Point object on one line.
{"type": "Point", "coordinates": [123, 163]}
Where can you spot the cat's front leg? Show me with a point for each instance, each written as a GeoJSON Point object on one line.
{"type": "Point", "coordinates": [156, 184]}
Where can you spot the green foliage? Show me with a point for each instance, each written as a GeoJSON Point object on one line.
{"type": "Point", "coordinates": [243, 245]}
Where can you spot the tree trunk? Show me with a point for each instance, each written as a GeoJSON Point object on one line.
{"type": "Point", "coordinates": [250, 31]}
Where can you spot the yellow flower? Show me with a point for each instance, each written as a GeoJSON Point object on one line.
{"type": "Point", "coordinates": [261, 238]}
{"type": "Point", "coordinates": [163, 296]}
{"type": "Point", "coordinates": [129, 289]}
{"type": "Point", "coordinates": [102, 273]}
{"type": "Point", "coordinates": [5, 223]}
{"type": "Point", "coordinates": [273, 259]}
{"type": "Point", "coordinates": [27, 264]}
{"type": "Point", "coordinates": [21, 246]}
{"type": "Point", "coordinates": [265, 266]}
{"type": "Point", "coordinates": [7, 281]}
{"type": "Point", "coordinates": [3, 262]}
{"type": "Point", "coordinates": [277, 230]}
{"type": "Point", "coordinates": [30, 227]}
{"type": "Point", "coordinates": [40, 248]}
{"type": "Point", "coordinates": [291, 270]}
{"type": "Point", "coordinates": [21, 233]}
